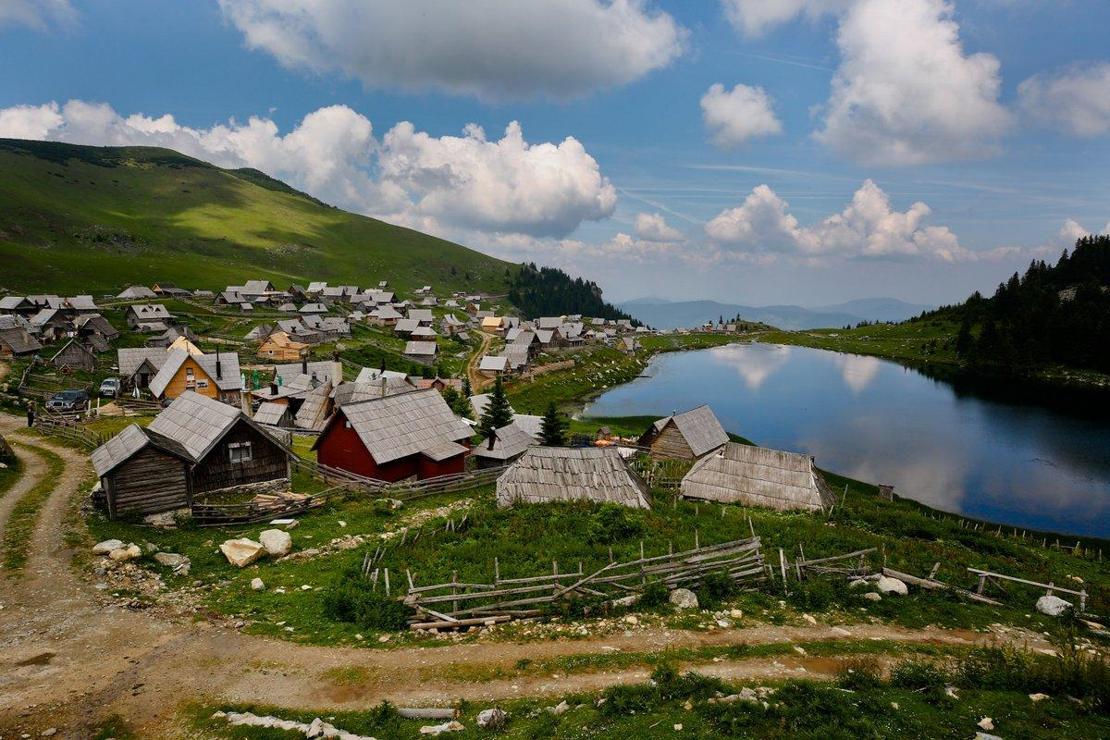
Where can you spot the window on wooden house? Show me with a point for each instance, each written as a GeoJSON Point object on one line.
{"type": "Point", "coordinates": [239, 452]}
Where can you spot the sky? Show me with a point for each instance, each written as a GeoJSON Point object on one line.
{"type": "Point", "coordinates": [750, 151]}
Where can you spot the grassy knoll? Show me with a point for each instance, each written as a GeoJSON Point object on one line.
{"type": "Point", "coordinates": [919, 698]}
{"type": "Point", "coordinates": [24, 515]}
{"type": "Point", "coordinates": [82, 218]}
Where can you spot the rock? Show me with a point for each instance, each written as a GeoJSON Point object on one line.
{"type": "Point", "coordinates": [277, 542]}
{"type": "Point", "coordinates": [492, 719]}
{"type": "Point", "coordinates": [631, 619]}
{"type": "Point", "coordinates": [560, 708]}
{"type": "Point", "coordinates": [257, 584]}
{"type": "Point", "coordinates": [51, 732]}
{"type": "Point", "coordinates": [951, 692]}
{"type": "Point", "coordinates": [986, 736]}
{"type": "Point", "coordinates": [840, 632]}
{"type": "Point", "coordinates": [242, 552]}
{"type": "Point", "coordinates": [452, 726]}
{"type": "Point", "coordinates": [986, 723]}
{"type": "Point", "coordinates": [858, 583]}
{"type": "Point", "coordinates": [1038, 697]}
{"type": "Point", "coordinates": [105, 547]}
{"type": "Point", "coordinates": [1053, 606]}
{"type": "Point", "coordinates": [164, 520]}
{"type": "Point", "coordinates": [736, 613]}
{"type": "Point", "coordinates": [888, 586]}
{"type": "Point", "coordinates": [629, 600]}
{"type": "Point", "coordinates": [684, 598]}
{"type": "Point", "coordinates": [179, 564]}
{"type": "Point", "coordinates": [287, 523]}
{"type": "Point", "coordinates": [872, 596]}
{"type": "Point", "coordinates": [678, 727]}
{"type": "Point", "coordinates": [809, 619]}
{"type": "Point", "coordinates": [123, 554]}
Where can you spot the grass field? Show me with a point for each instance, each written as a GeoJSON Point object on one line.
{"type": "Point", "coordinates": [91, 219]}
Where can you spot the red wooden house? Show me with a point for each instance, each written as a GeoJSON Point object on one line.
{"type": "Point", "coordinates": [395, 437]}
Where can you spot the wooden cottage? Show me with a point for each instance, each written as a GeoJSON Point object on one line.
{"type": "Point", "coordinates": [281, 347]}
{"type": "Point", "coordinates": [143, 472]}
{"type": "Point", "coordinates": [597, 474]}
{"type": "Point", "coordinates": [149, 317]}
{"type": "Point", "coordinates": [757, 476]}
{"type": "Point", "coordinates": [685, 436]}
{"type": "Point", "coordinates": [137, 365]}
{"type": "Point", "coordinates": [215, 376]}
{"type": "Point", "coordinates": [423, 352]}
{"type": "Point", "coordinates": [74, 356]}
{"type": "Point", "coordinates": [395, 437]}
{"type": "Point", "coordinates": [274, 414]}
{"type": "Point", "coordinates": [15, 341]}
{"type": "Point", "coordinates": [503, 446]}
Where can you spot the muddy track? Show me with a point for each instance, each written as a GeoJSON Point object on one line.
{"type": "Point", "coordinates": [71, 656]}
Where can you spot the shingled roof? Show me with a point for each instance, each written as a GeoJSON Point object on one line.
{"type": "Point", "coordinates": [397, 426]}
{"type": "Point", "coordinates": [757, 476]}
{"type": "Point", "coordinates": [228, 378]}
{"type": "Point", "coordinates": [131, 440]}
{"type": "Point", "coordinates": [699, 427]}
{"type": "Point", "coordinates": [596, 474]}
{"type": "Point", "coordinates": [509, 441]}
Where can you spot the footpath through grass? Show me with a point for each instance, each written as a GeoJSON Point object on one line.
{"type": "Point", "coordinates": [24, 515]}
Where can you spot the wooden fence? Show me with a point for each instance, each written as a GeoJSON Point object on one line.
{"type": "Point", "coordinates": [68, 429]}
{"type": "Point", "coordinates": [262, 508]}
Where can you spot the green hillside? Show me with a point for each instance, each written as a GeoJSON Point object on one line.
{"type": "Point", "coordinates": [95, 219]}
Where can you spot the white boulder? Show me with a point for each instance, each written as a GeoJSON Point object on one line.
{"type": "Point", "coordinates": [277, 542]}
{"type": "Point", "coordinates": [105, 547]}
{"type": "Point", "coordinates": [1053, 606]}
{"type": "Point", "coordinates": [130, 552]}
{"type": "Point", "coordinates": [180, 564]}
{"type": "Point", "coordinates": [889, 586]}
{"type": "Point", "coordinates": [872, 596]}
{"type": "Point", "coordinates": [257, 584]}
{"type": "Point", "coordinates": [491, 719]}
{"type": "Point", "coordinates": [684, 598]}
{"type": "Point", "coordinates": [242, 552]}
{"type": "Point", "coordinates": [452, 726]}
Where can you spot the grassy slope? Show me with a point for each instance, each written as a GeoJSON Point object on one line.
{"type": "Point", "coordinates": [95, 219]}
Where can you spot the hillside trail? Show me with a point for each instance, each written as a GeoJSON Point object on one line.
{"type": "Point", "coordinates": [73, 656]}
{"type": "Point", "coordinates": [477, 380]}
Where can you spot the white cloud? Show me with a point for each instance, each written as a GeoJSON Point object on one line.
{"type": "Point", "coordinates": [38, 14]}
{"type": "Point", "coordinates": [444, 185]}
{"type": "Point", "coordinates": [653, 227]}
{"type": "Point", "coordinates": [756, 17]}
{"type": "Point", "coordinates": [486, 48]}
{"type": "Point", "coordinates": [736, 115]}
{"type": "Point", "coordinates": [905, 91]}
{"type": "Point", "coordinates": [868, 227]}
{"type": "Point", "coordinates": [1076, 99]}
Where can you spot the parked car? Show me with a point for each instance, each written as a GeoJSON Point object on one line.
{"type": "Point", "coordinates": [109, 388]}
{"type": "Point", "coordinates": [68, 401]}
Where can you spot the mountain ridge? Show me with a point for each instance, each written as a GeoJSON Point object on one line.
{"type": "Point", "coordinates": [665, 314]}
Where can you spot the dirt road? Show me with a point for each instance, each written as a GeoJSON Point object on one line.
{"type": "Point", "coordinates": [72, 656]}
{"type": "Point", "coordinates": [477, 380]}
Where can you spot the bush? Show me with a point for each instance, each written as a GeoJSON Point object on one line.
{"type": "Point", "coordinates": [814, 595]}
{"type": "Point", "coordinates": [612, 523]}
{"type": "Point", "coordinates": [352, 599]}
{"type": "Point", "coordinates": [1072, 671]}
{"type": "Point", "coordinates": [715, 588]}
{"type": "Point", "coordinates": [655, 595]}
{"type": "Point", "coordinates": [691, 685]}
{"type": "Point", "coordinates": [623, 700]}
{"type": "Point", "coordinates": [919, 675]}
{"type": "Point", "coordinates": [859, 674]}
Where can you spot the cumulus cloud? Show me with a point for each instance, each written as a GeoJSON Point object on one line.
{"type": "Point", "coordinates": [756, 17]}
{"type": "Point", "coordinates": [653, 227]}
{"type": "Point", "coordinates": [736, 115]}
{"type": "Point", "coordinates": [905, 91]}
{"type": "Point", "coordinates": [868, 227]}
{"type": "Point", "coordinates": [1076, 99]}
{"type": "Point", "coordinates": [486, 48]}
{"type": "Point", "coordinates": [38, 14]}
{"type": "Point", "coordinates": [440, 184]}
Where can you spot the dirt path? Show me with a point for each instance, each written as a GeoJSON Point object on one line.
{"type": "Point", "coordinates": [477, 380]}
{"type": "Point", "coordinates": [72, 657]}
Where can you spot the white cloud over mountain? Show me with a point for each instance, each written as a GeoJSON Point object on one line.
{"type": "Point", "coordinates": [737, 115]}
{"type": "Point", "coordinates": [38, 14]}
{"type": "Point", "coordinates": [441, 184]}
{"type": "Point", "coordinates": [1075, 100]}
{"type": "Point", "coordinates": [868, 227]}
{"type": "Point", "coordinates": [485, 48]}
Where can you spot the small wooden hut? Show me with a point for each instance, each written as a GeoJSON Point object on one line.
{"type": "Point", "coordinates": [685, 436]}
{"type": "Point", "coordinates": [502, 446]}
{"type": "Point", "coordinates": [597, 474]}
{"type": "Point", "coordinates": [74, 356]}
{"type": "Point", "coordinates": [757, 476]}
{"type": "Point", "coordinates": [143, 472]}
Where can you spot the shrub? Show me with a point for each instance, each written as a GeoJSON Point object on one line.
{"type": "Point", "coordinates": [655, 595]}
{"type": "Point", "coordinates": [919, 675]}
{"type": "Point", "coordinates": [814, 595]}
{"type": "Point", "coordinates": [860, 673]}
{"type": "Point", "coordinates": [715, 588]}
{"type": "Point", "coordinates": [1072, 671]}
{"type": "Point", "coordinates": [622, 700]}
{"type": "Point", "coordinates": [352, 599]}
{"type": "Point", "coordinates": [612, 523]}
{"type": "Point", "coordinates": [691, 685]}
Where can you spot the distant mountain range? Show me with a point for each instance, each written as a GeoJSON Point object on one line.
{"type": "Point", "coordinates": [664, 314]}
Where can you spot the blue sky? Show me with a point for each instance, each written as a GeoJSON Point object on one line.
{"type": "Point", "coordinates": [913, 148]}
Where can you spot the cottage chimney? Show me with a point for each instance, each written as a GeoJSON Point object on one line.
{"type": "Point", "coordinates": [219, 370]}
{"type": "Point", "coordinates": [492, 437]}
{"type": "Point", "coordinates": [304, 364]}
{"type": "Point", "coordinates": [273, 389]}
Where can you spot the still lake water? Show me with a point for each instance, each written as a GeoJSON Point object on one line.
{"type": "Point", "coordinates": [1043, 466]}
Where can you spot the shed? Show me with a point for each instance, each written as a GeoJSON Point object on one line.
{"type": "Point", "coordinates": [143, 472]}
{"type": "Point", "coordinates": [137, 365]}
{"type": "Point", "coordinates": [420, 351]}
{"type": "Point", "coordinates": [597, 474]}
{"type": "Point", "coordinates": [273, 414]}
{"type": "Point", "coordinates": [16, 342]}
{"type": "Point", "coordinates": [75, 356]}
{"type": "Point", "coordinates": [757, 476]}
{"type": "Point", "coordinates": [685, 436]}
{"type": "Point", "coordinates": [503, 446]}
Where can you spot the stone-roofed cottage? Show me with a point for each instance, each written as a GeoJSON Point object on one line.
{"type": "Point", "coordinates": [685, 436]}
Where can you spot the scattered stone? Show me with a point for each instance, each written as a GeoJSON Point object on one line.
{"type": "Point", "coordinates": [736, 613]}
{"type": "Point", "coordinates": [51, 732]}
{"type": "Point", "coordinates": [105, 547]}
{"type": "Point", "coordinates": [341, 523]}
{"type": "Point", "coordinates": [872, 596]}
{"type": "Point", "coordinates": [287, 523]}
{"type": "Point", "coordinates": [1038, 697]}
{"type": "Point", "coordinates": [986, 723]}
{"type": "Point", "coordinates": [951, 692]}
{"type": "Point", "coordinates": [809, 619]}
{"type": "Point", "coordinates": [631, 619]}
{"type": "Point", "coordinates": [277, 542]}
{"type": "Point", "coordinates": [560, 708]}
{"type": "Point", "coordinates": [257, 584]}
{"type": "Point", "coordinates": [492, 719]}
{"type": "Point", "coordinates": [163, 520]}
{"type": "Point", "coordinates": [684, 598]}
{"type": "Point", "coordinates": [383, 638]}
{"type": "Point", "coordinates": [242, 552]}
{"type": "Point", "coordinates": [889, 586]}
{"type": "Point", "coordinates": [840, 632]}
{"type": "Point", "coordinates": [123, 554]}
{"type": "Point", "coordinates": [179, 564]}
{"type": "Point", "coordinates": [317, 728]}
{"type": "Point", "coordinates": [1053, 606]}
{"type": "Point", "coordinates": [986, 736]}
{"type": "Point", "coordinates": [452, 726]}
{"type": "Point", "coordinates": [724, 624]}
{"type": "Point", "coordinates": [858, 583]}
{"type": "Point", "coordinates": [678, 727]}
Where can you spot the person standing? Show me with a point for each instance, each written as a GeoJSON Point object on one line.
{"type": "Point", "coordinates": [30, 414]}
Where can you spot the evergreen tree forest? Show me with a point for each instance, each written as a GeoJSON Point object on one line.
{"type": "Point", "coordinates": [1057, 314]}
{"type": "Point", "coordinates": [548, 291]}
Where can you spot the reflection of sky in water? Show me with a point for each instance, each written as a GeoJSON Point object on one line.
{"type": "Point", "coordinates": [877, 421]}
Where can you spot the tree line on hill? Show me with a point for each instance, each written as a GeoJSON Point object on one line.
{"type": "Point", "coordinates": [1053, 314]}
{"type": "Point", "coordinates": [548, 291]}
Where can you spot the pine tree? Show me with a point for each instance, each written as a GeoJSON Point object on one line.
{"type": "Point", "coordinates": [497, 413]}
{"type": "Point", "coordinates": [552, 427]}
{"type": "Point", "coordinates": [467, 391]}
{"type": "Point", "coordinates": [964, 339]}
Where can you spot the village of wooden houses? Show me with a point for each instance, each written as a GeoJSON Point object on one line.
{"type": "Point", "coordinates": [409, 480]}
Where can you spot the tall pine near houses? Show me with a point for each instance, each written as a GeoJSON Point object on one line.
{"type": "Point", "coordinates": [498, 412]}
{"type": "Point", "coordinates": [552, 427]}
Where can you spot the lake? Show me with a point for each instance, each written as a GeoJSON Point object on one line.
{"type": "Point", "coordinates": [979, 452]}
